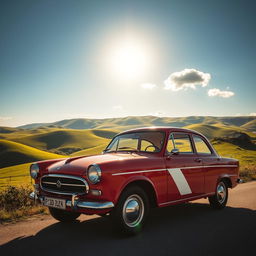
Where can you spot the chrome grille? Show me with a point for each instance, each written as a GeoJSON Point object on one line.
{"type": "Point", "coordinates": [64, 184]}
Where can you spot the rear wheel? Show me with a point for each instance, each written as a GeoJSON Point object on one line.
{"type": "Point", "coordinates": [63, 216]}
{"type": "Point", "coordinates": [219, 200]}
{"type": "Point", "coordinates": [131, 211]}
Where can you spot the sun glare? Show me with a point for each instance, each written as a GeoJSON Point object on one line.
{"type": "Point", "coordinates": [129, 60]}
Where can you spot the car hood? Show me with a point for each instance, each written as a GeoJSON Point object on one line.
{"type": "Point", "coordinates": [79, 165]}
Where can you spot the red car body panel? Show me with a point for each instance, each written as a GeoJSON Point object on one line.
{"type": "Point", "coordinates": [162, 172]}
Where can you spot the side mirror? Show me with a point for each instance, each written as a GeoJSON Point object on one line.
{"type": "Point", "coordinates": [175, 151]}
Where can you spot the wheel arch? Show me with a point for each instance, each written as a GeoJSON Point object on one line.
{"type": "Point", "coordinates": [227, 180]}
{"type": "Point", "coordinates": [146, 185]}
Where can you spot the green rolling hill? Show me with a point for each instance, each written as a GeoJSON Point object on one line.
{"type": "Point", "coordinates": [231, 136]}
{"type": "Point", "coordinates": [64, 141]}
{"type": "Point", "coordinates": [13, 153]}
{"type": "Point", "coordinates": [251, 126]}
{"type": "Point", "coordinates": [215, 131]}
{"type": "Point", "coordinates": [247, 157]}
{"type": "Point", "coordinates": [8, 130]}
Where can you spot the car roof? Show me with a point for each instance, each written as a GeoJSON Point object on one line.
{"type": "Point", "coordinates": [167, 129]}
{"type": "Point", "coordinates": [161, 129]}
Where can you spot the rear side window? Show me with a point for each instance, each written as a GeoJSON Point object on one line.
{"type": "Point", "coordinates": [181, 142]}
{"type": "Point", "coordinates": [201, 146]}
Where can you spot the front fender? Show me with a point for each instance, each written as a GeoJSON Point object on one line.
{"type": "Point", "coordinates": [130, 180]}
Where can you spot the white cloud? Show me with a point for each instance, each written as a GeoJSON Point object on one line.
{"type": "Point", "coordinates": [252, 114]}
{"type": "Point", "coordinates": [148, 86]}
{"type": "Point", "coordinates": [187, 78]}
{"type": "Point", "coordinates": [217, 92]}
{"type": "Point", "coordinates": [118, 107]}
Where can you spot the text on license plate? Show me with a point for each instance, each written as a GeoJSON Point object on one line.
{"type": "Point", "coordinates": [55, 202]}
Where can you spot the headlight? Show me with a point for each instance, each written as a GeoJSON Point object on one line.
{"type": "Point", "coordinates": [94, 173]}
{"type": "Point", "coordinates": [34, 170]}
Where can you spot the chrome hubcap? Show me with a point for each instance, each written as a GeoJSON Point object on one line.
{"type": "Point", "coordinates": [133, 210]}
{"type": "Point", "coordinates": [221, 192]}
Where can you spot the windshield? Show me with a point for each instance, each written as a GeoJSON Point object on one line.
{"type": "Point", "coordinates": [151, 141]}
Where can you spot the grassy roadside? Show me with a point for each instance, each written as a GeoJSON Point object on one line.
{"type": "Point", "coordinates": [17, 175]}
{"type": "Point", "coordinates": [248, 172]}
{"type": "Point", "coordinates": [15, 204]}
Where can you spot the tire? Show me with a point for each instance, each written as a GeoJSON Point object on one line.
{"type": "Point", "coordinates": [219, 200]}
{"type": "Point", "coordinates": [131, 211]}
{"type": "Point", "coordinates": [63, 216]}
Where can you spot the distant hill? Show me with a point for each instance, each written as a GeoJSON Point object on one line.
{"type": "Point", "coordinates": [251, 125]}
{"type": "Point", "coordinates": [76, 137]}
{"type": "Point", "coordinates": [8, 129]}
{"type": "Point", "coordinates": [215, 131]}
{"type": "Point", "coordinates": [13, 153]}
{"type": "Point", "coordinates": [63, 141]}
{"type": "Point", "coordinates": [140, 121]}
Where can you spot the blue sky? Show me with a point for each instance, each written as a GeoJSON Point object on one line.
{"type": "Point", "coordinates": [70, 59]}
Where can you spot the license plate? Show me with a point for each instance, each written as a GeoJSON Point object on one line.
{"type": "Point", "coordinates": [55, 203]}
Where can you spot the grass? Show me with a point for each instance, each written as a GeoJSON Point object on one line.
{"type": "Point", "coordinates": [17, 175]}
{"type": "Point", "coordinates": [245, 157]}
{"type": "Point", "coordinates": [251, 126]}
{"type": "Point", "coordinates": [19, 214]}
{"type": "Point", "coordinates": [13, 153]}
{"type": "Point", "coordinates": [248, 172]}
{"type": "Point", "coordinates": [218, 130]}
{"type": "Point", "coordinates": [65, 141]}
{"type": "Point", "coordinates": [15, 204]}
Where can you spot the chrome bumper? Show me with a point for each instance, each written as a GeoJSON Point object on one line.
{"type": "Point", "coordinates": [74, 204]}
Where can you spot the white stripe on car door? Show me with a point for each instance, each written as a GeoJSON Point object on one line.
{"type": "Point", "coordinates": [180, 181]}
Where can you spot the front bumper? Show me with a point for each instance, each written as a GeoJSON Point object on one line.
{"type": "Point", "coordinates": [74, 203]}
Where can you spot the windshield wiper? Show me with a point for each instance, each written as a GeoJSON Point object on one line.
{"type": "Point", "coordinates": [108, 151]}
{"type": "Point", "coordinates": [122, 149]}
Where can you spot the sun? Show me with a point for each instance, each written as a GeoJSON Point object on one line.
{"type": "Point", "coordinates": [129, 59]}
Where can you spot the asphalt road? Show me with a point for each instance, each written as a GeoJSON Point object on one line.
{"type": "Point", "coordinates": [188, 229]}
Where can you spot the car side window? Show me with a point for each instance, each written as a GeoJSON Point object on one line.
{"type": "Point", "coordinates": [180, 141]}
{"type": "Point", "coordinates": [201, 146]}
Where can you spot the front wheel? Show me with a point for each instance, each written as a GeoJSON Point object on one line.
{"type": "Point", "coordinates": [63, 216]}
{"type": "Point", "coordinates": [219, 200]}
{"type": "Point", "coordinates": [131, 211]}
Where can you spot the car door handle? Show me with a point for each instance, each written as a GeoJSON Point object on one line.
{"type": "Point", "coordinates": [198, 160]}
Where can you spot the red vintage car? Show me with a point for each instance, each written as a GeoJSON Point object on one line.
{"type": "Point", "coordinates": [139, 169]}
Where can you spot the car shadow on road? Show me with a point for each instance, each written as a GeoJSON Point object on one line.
{"type": "Point", "coordinates": [191, 228]}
